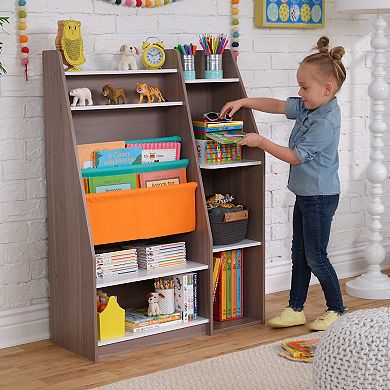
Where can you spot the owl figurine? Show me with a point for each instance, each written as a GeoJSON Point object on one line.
{"type": "Point", "coordinates": [70, 43]}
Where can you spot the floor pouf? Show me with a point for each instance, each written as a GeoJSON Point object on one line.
{"type": "Point", "coordinates": [354, 353]}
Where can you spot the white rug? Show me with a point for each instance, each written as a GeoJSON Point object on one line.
{"type": "Point", "coordinates": [259, 368]}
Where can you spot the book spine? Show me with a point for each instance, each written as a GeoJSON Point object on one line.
{"type": "Point", "coordinates": [238, 282]}
{"type": "Point", "coordinates": [185, 299]}
{"type": "Point", "coordinates": [234, 282]}
{"type": "Point", "coordinates": [216, 273]}
{"type": "Point", "coordinates": [195, 284]}
{"type": "Point", "coordinates": [190, 297]}
{"type": "Point", "coordinates": [228, 284]}
{"type": "Point", "coordinates": [223, 281]}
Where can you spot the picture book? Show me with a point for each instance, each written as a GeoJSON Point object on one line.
{"type": "Point", "coordinates": [112, 183]}
{"type": "Point", "coordinates": [163, 178]}
{"type": "Point", "coordinates": [286, 355]}
{"type": "Point", "coordinates": [228, 284]}
{"type": "Point", "coordinates": [136, 318]}
{"type": "Point", "coordinates": [195, 288]}
{"type": "Point", "coordinates": [118, 157]}
{"type": "Point", "coordinates": [217, 268]}
{"type": "Point", "coordinates": [217, 126]}
{"type": "Point", "coordinates": [86, 152]}
{"type": "Point", "coordinates": [239, 269]}
{"type": "Point", "coordinates": [223, 286]}
{"type": "Point", "coordinates": [305, 346]}
{"type": "Point", "coordinates": [294, 352]}
{"type": "Point", "coordinates": [234, 282]}
{"type": "Point", "coordinates": [157, 151]}
{"type": "Point", "coordinates": [226, 137]}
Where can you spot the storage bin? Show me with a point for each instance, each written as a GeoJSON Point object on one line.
{"type": "Point", "coordinates": [141, 213]}
{"type": "Point", "coordinates": [111, 321]}
{"type": "Point", "coordinates": [228, 225]}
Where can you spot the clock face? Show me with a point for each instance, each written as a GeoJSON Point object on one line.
{"type": "Point", "coordinates": [154, 56]}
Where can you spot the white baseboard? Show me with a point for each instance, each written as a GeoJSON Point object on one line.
{"type": "Point", "coordinates": [347, 263]}
{"type": "Point", "coordinates": [24, 325]}
{"type": "Point", "coordinates": [29, 324]}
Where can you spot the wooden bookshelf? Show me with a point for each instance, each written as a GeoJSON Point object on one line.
{"type": "Point", "coordinates": [71, 253]}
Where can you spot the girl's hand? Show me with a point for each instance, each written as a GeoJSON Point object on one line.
{"type": "Point", "coordinates": [252, 140]}
{"type": "Point", "coordinates": [230, 108]}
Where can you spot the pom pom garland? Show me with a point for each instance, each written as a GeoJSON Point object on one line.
{"type": "Point", "coordinates": [140, 3]}
{"type": "Point", "coordinates": [234, 27]}
{"type": "Point", "coordinates": [23, 38]}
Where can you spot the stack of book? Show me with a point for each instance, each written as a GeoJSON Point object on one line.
{"type": "Point", "coordinates": [227, 285]}
{"type": "Point", "coordinates": [299, 350]}
{"type": "Point", "coordinates": [137, 320]}
{"type": "Point", "coordinates": [116, 263]}
{"type": "Point", "coordinates": [186, 291]}
{"type": "Point", "coordinates": [159, 256]}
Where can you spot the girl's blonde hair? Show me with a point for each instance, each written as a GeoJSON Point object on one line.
{"type": "Point", "coordinates": [328, 61]}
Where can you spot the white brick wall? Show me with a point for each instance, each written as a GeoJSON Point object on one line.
{"type": "Point", "coordinates": [268, 61]}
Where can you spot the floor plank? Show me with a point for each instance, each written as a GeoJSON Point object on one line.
{"type": "Point", "coordinates": [43, 365]}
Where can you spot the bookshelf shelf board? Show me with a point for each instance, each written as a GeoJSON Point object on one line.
{"type": "Point", "coordinates": [121, 106]}
{"type": "Point", "coordinates": [118, 72]}
{"type": "Point", "coordinates": [142, 274]}
{"type": "Point", "coordinates": [204, 81]}
{"type": "Point", "coordinates": [241, 244]}
{"type": "Point", "coordinates": [221, 326]}
{"type": "Point", "coordinates": [165, 328]}
{"type": "Point", "coordinates": [235, 164]}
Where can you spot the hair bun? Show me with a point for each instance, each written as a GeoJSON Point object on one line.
{"type": "Point", "coordinates": [323, 44]}
{"type": "Point", "coordinates": [337, 53]}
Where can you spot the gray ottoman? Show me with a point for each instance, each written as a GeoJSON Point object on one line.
{"type": "Point", "coordinates": [354, 353]}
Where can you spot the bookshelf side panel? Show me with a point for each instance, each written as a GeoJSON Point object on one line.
{"type": "Point", "coordinates": [70, 254]}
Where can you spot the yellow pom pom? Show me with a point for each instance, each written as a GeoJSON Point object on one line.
{"type": "Point", "coordinates": [22, 26]}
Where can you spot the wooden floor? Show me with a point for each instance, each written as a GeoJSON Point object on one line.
{"type": "Point", "coordinates": [42, 365]}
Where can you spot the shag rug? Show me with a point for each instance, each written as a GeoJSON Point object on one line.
{"type": "Point", "coordinates": [251, 369]}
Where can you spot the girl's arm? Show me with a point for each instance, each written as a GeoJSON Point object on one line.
{"type": "Point", "coordinates": [281, 152]}
{"type": "Point", "coordinates": [272, 106]}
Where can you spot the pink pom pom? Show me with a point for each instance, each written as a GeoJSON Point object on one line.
{"type": "Point", "coordinates": [24, 61]}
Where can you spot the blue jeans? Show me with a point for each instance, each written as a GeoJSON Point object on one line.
{"type": "Point", "coordinates": [312, 220]}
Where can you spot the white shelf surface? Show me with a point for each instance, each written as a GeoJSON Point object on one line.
{"type": "Point", "coordinates": [121, 106]}
{"type": "Point", "coordinates": [143, 274]}
{"type": "Point", "coordinates": [234, 164]}
{"type": "Point", "coordinates": [118, 72]}
{"type": "Point", "coordinates": [238, 245]}
{"type": "Point", "coordinates": [163, 329]}
{"type": "Point", "coordinates": [203, 81]}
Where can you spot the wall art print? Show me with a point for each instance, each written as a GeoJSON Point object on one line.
{"type": "Point", "coordinates": [290, 13]}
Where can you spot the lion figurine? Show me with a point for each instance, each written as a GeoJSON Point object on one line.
{"type": "Point", "coordinates": [150, 92]}
{"type": "Point", "coordinates": [114, 95]}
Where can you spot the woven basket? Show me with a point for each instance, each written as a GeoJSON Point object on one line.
{"type": "Point", "coordinates": [228, 225]}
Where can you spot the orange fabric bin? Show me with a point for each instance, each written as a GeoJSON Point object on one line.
{"type": "Point", "coordinates": [141, 213]}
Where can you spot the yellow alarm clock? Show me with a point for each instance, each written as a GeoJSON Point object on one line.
{"type": "Point", "coordinates": [153, 54]}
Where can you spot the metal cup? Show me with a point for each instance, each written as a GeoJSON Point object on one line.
{"type": "Point", "coordinates": [213, 68]}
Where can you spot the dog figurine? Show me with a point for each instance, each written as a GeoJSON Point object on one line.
{"type": "Point", "coordinates": [154, 308]}
{"type": "Point", "coordinates": [114, 95]}
{"type": "Point", "coordinates": [80, 95]}
{"type": "Point", "coordinates": [128, 59]}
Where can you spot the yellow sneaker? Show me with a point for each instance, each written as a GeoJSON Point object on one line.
{"type": "Point", "coordinates": [326, 320]}
{"type": "Point", "coordinates": [288, 317]}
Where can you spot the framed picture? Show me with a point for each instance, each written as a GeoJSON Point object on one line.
{"type": "Point", "coordinates": [290, 13]}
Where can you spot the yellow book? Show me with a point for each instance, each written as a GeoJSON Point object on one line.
{"type": "Point", "coordinates": [216, 273]}
{"type": "Point", "coordinates": [223, 285]}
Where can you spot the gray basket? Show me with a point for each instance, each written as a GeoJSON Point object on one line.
{"type": "Point", "coordinates": [228, 226]}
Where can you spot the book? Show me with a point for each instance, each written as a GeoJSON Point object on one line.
{"type": "Point", "coordinates": [118, 157]}
{"type": "Point", "coordinates": [286, 355]}
{"type": "Point", "coordinates": [223, 286]}
{"type": "Point", "coordinates": [152, 326]}
{"type": "Point", "coordinates": [162, 178]}
{"type": "Point", "coordinates": [228, 284]}
{"type": "Point", "coordinates": [112, 183]}
{"type": "Point", "coordinates": [157, 151]}
{"type": "Point", "coordinates": [217, 126]}
{"type": "Point", "coordinates": [226, 137]}
{"type": "Point", "coordinates": [217, 268]}
{"type": "Point", "coordinates": [86, 152]}
{"type": "Point", "coordinates": [234, 282]}
{"type": "Point", "coordinates": [239, 295]}
{"type": "Point", "coordinates": [195, 288]}
{"type": "Point", "coordinates": [306, 346]}
{"type": "Point", "coordinates": [138, 318]}
{"type": "Point", "coordinates": [294, 352]}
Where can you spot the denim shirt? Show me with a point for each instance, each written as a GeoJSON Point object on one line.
{"type": "Point", "coordinates": [314, 140]}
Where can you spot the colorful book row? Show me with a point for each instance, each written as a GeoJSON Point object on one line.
{"type": "Point", "coordinates": [227, 285]}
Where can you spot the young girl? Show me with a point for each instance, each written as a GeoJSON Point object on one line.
{"type": "Point", "coordinates": [313, 157]}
